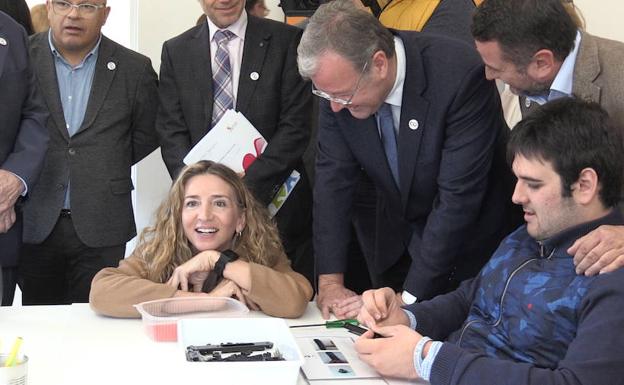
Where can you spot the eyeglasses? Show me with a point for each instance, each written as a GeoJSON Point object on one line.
{"type": "Point", "coordinates": [344, 102]}
{"type": "Point", "coordinates": [64, 8]}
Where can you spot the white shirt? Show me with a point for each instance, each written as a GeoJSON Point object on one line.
{"type": "Point", "coordinates": [395, 97]}
{"type": "Point", "coordinates": [234, 47]}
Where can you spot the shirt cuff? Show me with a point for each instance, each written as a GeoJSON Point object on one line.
{"type": "Point", "coordinates": [23, 182]}
{"type": "Point", "coordinates": [412, 319]}
{"type": "Point", "coordinates": [427, 363]}
{"type": "Point", "coordinates": [408, 298]}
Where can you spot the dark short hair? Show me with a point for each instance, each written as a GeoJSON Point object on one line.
{"type": "Point", "coordinates": [523, 27]}
{"type": "Point", "coordinates": [572, 135]}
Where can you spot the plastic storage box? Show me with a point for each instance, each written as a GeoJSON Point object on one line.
{"type": "Point", "coordinates": [239, 330]}
{"type": "Point", "coordinates": [160, 317]}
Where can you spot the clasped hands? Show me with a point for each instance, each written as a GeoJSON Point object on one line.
{"type": "Point", "coordinates": [189, 277]}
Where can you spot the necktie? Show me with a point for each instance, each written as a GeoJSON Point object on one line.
{"type": "Point", "coordinates": [388, 137]}
{"type": "Point", "coordinates": [223, 98]}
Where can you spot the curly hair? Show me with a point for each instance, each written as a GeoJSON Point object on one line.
{"type": "Point", "coordinates": [164, 246]}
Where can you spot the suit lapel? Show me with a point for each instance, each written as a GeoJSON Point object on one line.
{"type": "Point", "coordinates": [105, 69]}
{"type": "Point", "coordinates": [414, 110]}
{"type": "Point", "coordinates": [202, 72]}
{"type": "Point", "coordinates": [586, 70]}
{"type": "Point", "coordinates": [43, 60]}
{"type": "Point", "coordinates": [256, 45]}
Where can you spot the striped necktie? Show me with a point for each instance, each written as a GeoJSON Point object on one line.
{"type": "Point", "coordinates": [223, 98]}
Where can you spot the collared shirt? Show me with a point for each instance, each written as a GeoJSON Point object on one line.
{"type": "Point", "coordinates": [234, 47]}
{"type": "Point", "coordinates": [395, 97]}
{"type": "Point", "coordinates": [562, 84]}
{"type": "Point", "coordinates": [74, 89]}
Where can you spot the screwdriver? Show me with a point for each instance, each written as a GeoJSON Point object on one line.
{"type": "Point", "coordinates": [351, 325]}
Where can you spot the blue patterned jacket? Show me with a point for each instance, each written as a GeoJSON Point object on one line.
{"type": "Point", "coordinates": [528, 318]}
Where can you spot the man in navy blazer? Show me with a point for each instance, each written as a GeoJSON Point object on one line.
{"type": "Point", "coordinates": [446, 208]}
{"type": "Point", "coordinates": [267, 90]}
{"type": "Point", "coordinates": [23, 144]}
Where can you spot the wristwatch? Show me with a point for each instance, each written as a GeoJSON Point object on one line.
{"type": "Point", "coordinates": [216, 275]}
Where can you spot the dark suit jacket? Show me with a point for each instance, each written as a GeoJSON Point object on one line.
{"type": "Point", "coordinates": [278, 104]}
{"type": "Point", "coordinates": [450, 210]}
{"type": "Point", "coordinates": [23, 135]}
{"type": "Point", "coordinates": [117, 131]}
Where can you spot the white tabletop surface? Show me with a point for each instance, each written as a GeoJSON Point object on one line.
{"type": "Point", "coordinates": [69, 345]}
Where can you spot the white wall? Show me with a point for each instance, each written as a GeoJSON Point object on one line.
{"type": "Point", "coordinates": [603, 18]}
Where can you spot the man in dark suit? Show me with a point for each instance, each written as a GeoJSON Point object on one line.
{"type": "Point", "coordinates": [417, 114]}
{"type": "Point", "coordinates": [102, 99]}
{"type": "Point", "coordinates": [263, 85]}
{"type": "Point", "coordinates": [23, 143]}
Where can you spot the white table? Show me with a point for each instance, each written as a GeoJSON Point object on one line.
{"type": "Point", "coordinates": [71, 345]}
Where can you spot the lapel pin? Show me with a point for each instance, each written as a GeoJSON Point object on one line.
{"type": "Point", "coordinates": [3, 41]}
{"type": "Point", "coordinates": [111, 66]}
{"type": "Point", "coordinates": [261, 44]}
{"type": "Point", "coordinates": [254, 75]}
{"type": "Point", "coordinates": [527, 103]}
{"type": "Point", "coordinates": [413, 124]}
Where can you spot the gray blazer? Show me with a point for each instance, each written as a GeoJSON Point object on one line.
{"type": "Point", "coordinates": [117, 131]}
{"type": "Point", "coordinates": [598, 76]}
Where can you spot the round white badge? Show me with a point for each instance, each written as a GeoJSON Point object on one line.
{"type": "Point", "coordinates": [254, 75]}
{"type": "Point", "coordinates": [413, 124]}
{"type": "Point", "coordinates": [3, 41]}
{"type": "Point", "coordinates": [111, 66]}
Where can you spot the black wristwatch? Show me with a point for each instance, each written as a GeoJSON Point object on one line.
{"type": "Point", "coordinates": [216, 275]}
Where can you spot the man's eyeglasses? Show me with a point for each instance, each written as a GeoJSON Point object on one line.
{"type": "Point", "coordinates": [344, 102]}
{"type": "Point", "coordinates": [64, 8]}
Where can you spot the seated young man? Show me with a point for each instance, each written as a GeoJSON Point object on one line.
{"type": "Point", "coordinates": [527, 318]}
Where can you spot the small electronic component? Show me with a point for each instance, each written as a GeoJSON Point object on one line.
{"type": "Point", "coordinates": [233, 352]}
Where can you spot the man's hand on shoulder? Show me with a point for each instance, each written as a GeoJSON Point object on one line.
{"type": "Point", "coordinates": [331, 294]}
{"type": "Point", "coordinates": [600, 251]}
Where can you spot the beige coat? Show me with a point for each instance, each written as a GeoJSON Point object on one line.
{"type": "Point", "coordinates": [278, 291]}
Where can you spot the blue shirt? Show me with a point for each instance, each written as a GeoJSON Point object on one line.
{"type": "Point", "coordinates": [74, 89]}
{"type": "Point", "coordinates": [562, 84]}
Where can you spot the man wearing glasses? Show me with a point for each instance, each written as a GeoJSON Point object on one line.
{"type": "Point", "coordinates": [102, 100]}
{"type": "Point", "coordinates": [417, 114]}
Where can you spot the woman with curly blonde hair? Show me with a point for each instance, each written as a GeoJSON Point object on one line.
{"type": "Point", "coordinates": [211, 238]}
